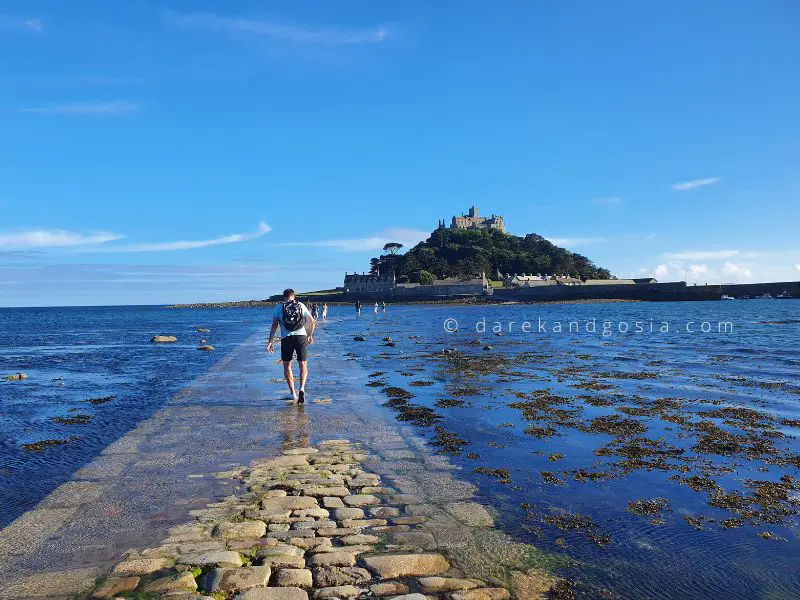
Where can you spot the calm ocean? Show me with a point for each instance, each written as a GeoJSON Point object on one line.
{"type": "Point", "coordinates": [657, 460]}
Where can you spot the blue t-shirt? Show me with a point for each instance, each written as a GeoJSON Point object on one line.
{"type": "Point", "coordinates": [279, 315]}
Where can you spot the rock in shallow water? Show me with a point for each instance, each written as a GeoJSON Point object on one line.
{"type": "Point", "coordinates": [163, 339]}
{"type": "Point", "coordinates": [434, 585]}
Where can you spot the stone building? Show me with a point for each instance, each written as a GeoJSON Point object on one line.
{"type": "Point", "coordinates": [443, 288]}
{"type": "Point", "coordinates": [368, 284]}
{"type": "Point", "coordinates": [537, 280]}
{"type": "Point", "coordinates": [473, 221]}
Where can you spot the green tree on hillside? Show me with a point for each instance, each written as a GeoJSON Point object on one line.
{"type": "Point", "coordinates": [426, 277]}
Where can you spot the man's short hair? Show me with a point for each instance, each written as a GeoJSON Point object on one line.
{"type": "Point", "coordinates": [288, 293]}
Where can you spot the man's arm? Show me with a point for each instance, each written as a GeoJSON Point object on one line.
{"type": "Point", "coordinates": [310, 322]}
{"type": "Point", "coordinates": [312, 325]}
{"type": "Point", "coordinates": [270, 344]}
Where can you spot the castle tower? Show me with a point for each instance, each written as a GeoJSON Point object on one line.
{"type": "Point", "coordinates": [473, 212]}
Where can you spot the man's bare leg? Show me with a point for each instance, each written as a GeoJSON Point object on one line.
{"type": "Point", "coordinates": [287, 373]}
{"type": "Point", "coordinates": [303, 376]}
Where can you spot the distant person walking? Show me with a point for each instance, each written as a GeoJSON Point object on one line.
{"type": "Point", "coordinates": [376, 308]}
{"type": "Point", "coordinates": [324, 311]}
{"type": "Point", "coordinates": [358, 307]}
{"type": "Point", "coordinates": [383, 306]}
{"type": "Point", "coordinates": [293, 316]}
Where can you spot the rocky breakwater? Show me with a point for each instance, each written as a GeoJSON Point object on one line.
{"type": "Point", "coordinates": [312, 524]}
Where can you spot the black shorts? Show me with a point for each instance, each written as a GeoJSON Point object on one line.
{"type": "Point", "coordinates": [292, 344]}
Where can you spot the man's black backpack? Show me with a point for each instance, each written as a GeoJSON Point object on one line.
{"type": "Point", "coordinates": [293, 318]}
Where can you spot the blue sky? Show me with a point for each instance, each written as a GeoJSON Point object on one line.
{"type": "Point", "coordinates": [155, 152]}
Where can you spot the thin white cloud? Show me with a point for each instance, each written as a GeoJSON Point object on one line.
{"type": "Point", "coordinates": [701, 255]}
{"type": "Point", "coordinates": [14, 24]}
{"type": "Point", "coordinates": [608, 201]}
{"type": "Point", "coordinates": [572, 242]}
{"type": "Point", "coordinates": [691, 185]}
{"type": "Point", "coordinates": [797, 267]}
{"type": "Point", "coordinates": [284, 32]}
{"type": "Point", "coordinates": [115, 108]}
{"type": "Point", "coordinates": [191, 245]}
{"type": "Point", "coordinates": [407, 237]}
{"type": "Point", "coordinates": [53, 238]}
{"type": "Point", "coordinates": [100, 109]}
{"type": "Point", "coordinates": [661, 271]}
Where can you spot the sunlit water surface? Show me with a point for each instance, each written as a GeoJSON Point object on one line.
{"type": "Point", "coordinates": [517, 418]}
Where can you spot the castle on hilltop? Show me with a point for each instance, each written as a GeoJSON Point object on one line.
{"type": "Point", "coordinates": [471, 220]}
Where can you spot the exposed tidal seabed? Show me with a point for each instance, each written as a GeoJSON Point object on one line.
{"type": "Point", "coordinates": [323, 522]}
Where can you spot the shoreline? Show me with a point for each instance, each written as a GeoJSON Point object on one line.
{"type": "Point", "coordinates": [450, 301]}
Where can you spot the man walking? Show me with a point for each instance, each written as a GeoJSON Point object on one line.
{"type": "Point", "coordinates": [293, 316]}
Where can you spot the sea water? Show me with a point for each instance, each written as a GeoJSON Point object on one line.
{"type": "Point", "coordinates": [583, 439]}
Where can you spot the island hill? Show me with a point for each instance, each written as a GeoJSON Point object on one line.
{"type": "Point", "coordinates": [474, 259]}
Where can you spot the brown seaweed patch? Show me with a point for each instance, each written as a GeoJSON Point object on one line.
{"type": "Point", "coordinates": [100, 400]}
{"type": "Point", "coordinates": [541, 432]}
{"type": "Point", "coordinates": [579, 523]}
{"type": "Point", "coordinates": [715, 440]}
{"type": "Point", "coordinates": [449, 403]}
{"type": "Point", "coordinates": [584, 475]}
{"type": "Point", "coordinates": [496, 473]}
{"type": "Point", "coordinates": [397, 393]}
{"type": "Point", "coordinates": [596, 400]}
{"type": "Point", "coordinates": [643, 453]}
{"type": "Point", "coordinates": [420, 383]}
{"type": "Point", "coordinates": [81, 419]}
{"type": "Point", "coordinates": [697, 521]}
{"type": "Point", "coordinates": [614, 425]}
{"type": "Point", "coordinates": [43, 445]}
{"type": "Point", "coordinates": [648, 508]}
{"type": "Point", "coordinates": [465, 391]}
{"type": "Point", "coordinates": [376, 374]}
{"type": "Point", "coordinates": [551, 478]}
{"type": "Point", "coordinates": [449, 443]}
{"type": "Point", "coordinates": [593, 385]}
{"type": "Point", "coordinates": [625, 375]}
{"type": "Point", "coordinates": [417, 415]}
{"type": "Point", "coordinates": [700, 483]}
